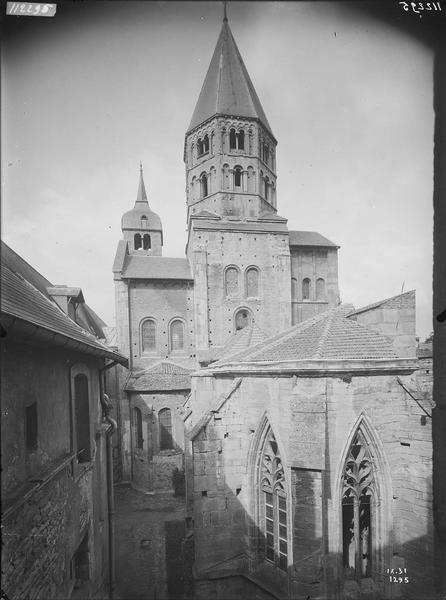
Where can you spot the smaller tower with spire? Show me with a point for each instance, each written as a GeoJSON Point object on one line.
{"type": "Point", "coordinates": [142, 227]}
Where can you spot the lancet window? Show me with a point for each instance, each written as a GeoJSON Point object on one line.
{"type": "Point", "coordinates": [358, 491]}
{"type": "Point", "coordinates": [273, 503]}
{"type": "Point", "coordinates": [306, 285]}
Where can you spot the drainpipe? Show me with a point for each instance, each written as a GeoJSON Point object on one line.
{"type": "Point", "coordinates": [107, 407]}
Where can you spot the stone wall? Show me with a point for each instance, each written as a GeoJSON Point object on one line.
{"type": "Point", "coordinates": [49, 501]}
{"type": "Point", "coordinates": [313, 419]}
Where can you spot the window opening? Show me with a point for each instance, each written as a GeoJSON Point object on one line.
{"type": "Point", "coordinates": [82, 414]}
{"type": "Point", "coordinates": [137, 241]}
{"type": "Point", "coordinates": [204, 185]}
{"type": "Point", "coordinates": [176, 335]}
{"type": "Point", "coordinates": [231, 282]}
{"type": "Point", "coordinates": [252, 282]}
{"type": "Point", "coordinates": [306, 289]}
{"type": "Point", "coordinates": [138, 427]}
{"type": "Point", "coordinates": [241, 140]}
{"type": "Point", "coordinates": [237, 177]}
{"type": "Point", "coordinates": [165, 426]}
{"type": "Point", "coordinates": [242, 319]}
{"type": "Point", "coordinates": [232, 139]}
{"type": "Point", "coordinates": [146, 242]}
{"type": "Point", "coordinates": [320, 289]}
{"type": "Point", "coordinates": [148, 336]}
{"type": "Point", "coordinates": [357, 497]}
{"type": "Point", "coordinates": [274, 497]}
{"type": "Point", "coordinates": [294, 288]}
{"type": "Point", "coordinates": [31, 426]}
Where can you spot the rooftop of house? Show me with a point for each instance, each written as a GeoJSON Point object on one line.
{"type": "Point", "coordinates": [25, 297]}
{"type": "Point", "coordinates": [164, 375]}
{"type": "Point", "coordinates": [310, 238]}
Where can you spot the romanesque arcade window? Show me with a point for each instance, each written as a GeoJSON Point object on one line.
{"type": "Point", "coordinates": [238, 177]}
{"type": "Point", "coordinates": [165, 429]}
{"type": "Point", "coordinates": [176, 335]}
{"type": "Point", "coordinates": [137, 241]}
{"type": "Point", "coordinates": [148, 336]}
{"type": "Point", "coordinates": [203, 146]}
{"type": "Point", "coordinates": [204, 185]}
{"type": "Point", "coordinates": [242, 319]}
{"type": "Point", "coordinates": [82, 418]}
{"type": "Point", "coordinates": [236, 139]}
{"type": "Point", "coordinates": [146, 242]}
{"type": "Point", "coordinates": [252, 282]}
{"type": "Point", "coordinates": [320, 289]}
{"type": "Point", "coordinates": [137, 421]}
{"type": "Point", "coordinates": [306, 287]}
{"type": "Point", "coordinates": [357, 506]}
{"type": "Point", "coordinates": [273, 503]}
{"type": "Point", "coordinates": [231, 282]}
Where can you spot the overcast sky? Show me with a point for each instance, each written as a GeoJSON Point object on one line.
{"type": "Point", "coordinates": [99, 87]}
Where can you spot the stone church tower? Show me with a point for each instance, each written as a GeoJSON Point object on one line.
{"type": "Point", "coordinates": [243, 268]}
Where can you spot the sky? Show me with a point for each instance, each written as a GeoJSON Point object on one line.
{"type": "Point", "coordinates": [90, 93]}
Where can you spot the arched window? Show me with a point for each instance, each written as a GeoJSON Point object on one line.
{"type": "Point", "coordinates": [232, 139]}
{"type": "Point", "coordinates": [267, 188]}
{"type": "Point", "coordinates": [252, 282]}
{"type": "Point", "coordinates": [242, 318]}
{"type": "Point", "coordinates": [203, 145]}
{"type": "Point", "coordinates": [204, 185]}
{"type": "Point", "coordinates": [238, 177]}
{"type": "Point", "coordinates": [273, 503]}
{"type": "Point", "coordinates": [241, 140]}
{"type": "Point", "coordinates": [144, 222]}
{"type": "Point", "coordinates": [293, 288]}
{"type": "Point", "coordinates": [306, 285]}
{"type": "Point", "coordinates": [320, 289]}
{"type": "Point", "coordinates": [146, 244]}
{"type": "Point", "coordinates": [82, 416]}
{"type": "Point", "coordinates": [176, 335]}
{"type": "Point", "coordinates": [165, 429]}
{"type": "Point", "coordinates": [137, 420]}
{"type": "Point", "coordinates": [231, 282]}
{"type": "Point", "coordinates": [148, 336]}
{"type": "Point", "coordinates": [358, 489]}
{"type": "Point", "coordinates": [137, 242]}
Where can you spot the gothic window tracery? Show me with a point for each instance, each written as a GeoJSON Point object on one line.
{"type": "Point", "coordinates": [274, 503]}
{"type": "Point", "coordinates": [231, 282]}
{"type": "Point", "coordinates": [358, 490]}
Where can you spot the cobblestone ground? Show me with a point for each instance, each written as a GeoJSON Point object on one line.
{"type": "Point", "coordinates": [152, 557]}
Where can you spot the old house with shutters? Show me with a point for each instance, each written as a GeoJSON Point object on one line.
{"type": "Point", "coordinates": [299, 421]}
{"type": "Point", "coordinates": [57, 471]}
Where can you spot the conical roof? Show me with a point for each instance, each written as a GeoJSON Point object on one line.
{"type": "Point", "coordinates": [132, 218]}
{"type": "Point", "coordinates": [227, 88]}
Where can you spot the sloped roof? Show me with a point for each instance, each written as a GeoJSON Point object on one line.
{"type": "Point", "coordinates": [227, 88]}
{"type": "Point", "coordinates": [329, 335]}
{"type": "Point", "coordinates": [241, 340]}
{"type": "Point", "coordinates": [392, 302]}
{"type": "Point", "coordinates": [309, 238]}
{"type": "Point", "coordinates": [22, 300]}
{"type": "Point", "coordinates": [165, 375]}
{"type": "Point", "coordinates": [156, 267]}
{"type": "Point", "coordinates": [85, 315]}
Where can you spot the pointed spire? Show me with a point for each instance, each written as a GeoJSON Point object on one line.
{"type": "Point", "coordinates": [225, 13]}
{"type": "Point", "coordinates": [227, 88]}
{"type": "Point", "coordinates": [141, 196]}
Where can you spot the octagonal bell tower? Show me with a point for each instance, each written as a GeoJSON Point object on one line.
{"type": "Point", "coordinates": [230, 150]}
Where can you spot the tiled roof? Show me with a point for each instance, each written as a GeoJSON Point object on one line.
{"type": "Point", "coordinates": [22, 300]}
{"type": "Point", "coordinates": [156, 267]}
{"type": "Point", "coordinates": [241, 340]}
{"type": "Point", "coordinates": [162, 376]}
{"type": "Point", "coordinates": [393, 302]}
{"type": "Point", "coordinates": [227, 88]}
{"type": "Point", "coordinates": [328, 335]}
{"type": "Point", "coordinates": [309, 238]}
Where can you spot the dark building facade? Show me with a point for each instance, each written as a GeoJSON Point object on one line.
{"type": "Point", "coordinates": [57, 496]}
